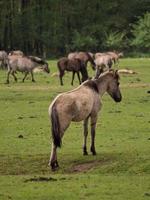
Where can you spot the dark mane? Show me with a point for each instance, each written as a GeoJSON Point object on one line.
{"type": "Point", "coordinates": [37, 60]}
{"type": "Point", "coordinates": [92, 85]}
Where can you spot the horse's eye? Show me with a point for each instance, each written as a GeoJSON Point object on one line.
{"type": "Point", "coordinates": [118, 83]}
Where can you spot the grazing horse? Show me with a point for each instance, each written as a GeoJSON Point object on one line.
{"type": "Point", "coordinates": [103, 63]}
{"type": "Point", "coordinates": [25, 64]}
{"type": "Point", "coordinates": [82, 103]}
{"type": "Point", "coordinates": [3, 59]}
{"type": "Point", "coordinates": [74, 65]}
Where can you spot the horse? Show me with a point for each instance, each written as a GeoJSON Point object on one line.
{"type": "Point", "coordinates": [25, 64]}
{"type": "Point", "coordinates": [103, 63]}
{"type": "Point", "coordinates": [84, 57]}
{"type": "Point", "coordinates": [16, 53]}
{"type": "Point", "coordinates": [74, 65]}
{"type": "Point", "coordinates": [80, 104]}
{"type": "Point", "coordinates": [3, 59]}
{"type": "Point", "coordinates": [115, 56]}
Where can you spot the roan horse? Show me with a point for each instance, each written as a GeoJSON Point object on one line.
{"type": "Point", "coordinates": [25, 64]}
{"type": "Point", "coordinates": [74, 65]}
{"type": "Point", "coordinates": [82, 103]}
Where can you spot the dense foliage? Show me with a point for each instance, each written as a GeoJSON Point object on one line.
{"type": "Point", "coordinates": [54, 27]}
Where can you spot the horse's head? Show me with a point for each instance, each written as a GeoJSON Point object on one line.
{"type": "Point", "coordinates": [91, 60]}
{"type": "Point", "coordinates": [45, 68]}
{"type": "Point", "coordinates": [113, 86]}
{"type": "Point", "coordinates": [120, 54]}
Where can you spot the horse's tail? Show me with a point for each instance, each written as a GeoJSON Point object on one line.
{"type": "Point", "coordinates": [55, 126]}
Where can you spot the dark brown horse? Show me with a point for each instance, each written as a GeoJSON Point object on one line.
{"type": "Point", "coordinates": [73, 65]}
{"type": "Point", "coordinates": [84, 57]}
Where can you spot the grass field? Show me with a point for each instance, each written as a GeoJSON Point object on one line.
{"type": "Point", "coordinates": [119, 171]}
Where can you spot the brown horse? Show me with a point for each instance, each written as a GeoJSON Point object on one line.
{"type": "Point", "coordinates": [80, 104]}
{"type": "Point", "coordinates": [74, 65]}
{"type": "Point", "coordinates": [25, 64]}
{"type": "Point", "coordinates": [83, 56]}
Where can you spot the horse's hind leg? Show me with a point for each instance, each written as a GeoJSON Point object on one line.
{"type": "Point", "coordinates": [85, 124]}
{"type": "Point", "coordinates": [53, 158]}
{"type": "Point", "coordinates": [93, 125]}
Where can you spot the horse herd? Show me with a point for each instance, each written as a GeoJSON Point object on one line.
{"type": "Point", "coordinates": [75, 62]}
{"type": "Point", "coordinates": [80, 104]}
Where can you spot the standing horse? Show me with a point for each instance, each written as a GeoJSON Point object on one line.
{"type": "Point", "coordinates": [80, 104]}
{"type": "Point", "coordinates": [74, 65]}
{"type": "Point", "coordinates": [3, 59]}
{"type": "Point", "coordinates": [84, 57]}
{"type": "Point", "coordinates": [103, 63]}
{"type": "Point", "coordinates": [115, 56]}
{"type": "Point", "coordinates": [26, 65]}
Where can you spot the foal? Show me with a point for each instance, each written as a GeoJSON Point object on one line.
{"type": "Point", "coordinates": [82, 103]}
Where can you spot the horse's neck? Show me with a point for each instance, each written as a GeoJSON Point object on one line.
{"type": "Point", "coordinates": [102, 84]}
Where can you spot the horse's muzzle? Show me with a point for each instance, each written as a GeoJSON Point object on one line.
{"type": "Point", "coordinates": [117, 98]}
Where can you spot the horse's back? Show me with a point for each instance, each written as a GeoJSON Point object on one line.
{"type": "Point", "coordinates": [75, 105]}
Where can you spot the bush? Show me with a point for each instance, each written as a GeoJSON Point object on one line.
{"type": "Point", "coordinates": [141, 33]}
{"type": "Point", "coordinates": [115, 40]}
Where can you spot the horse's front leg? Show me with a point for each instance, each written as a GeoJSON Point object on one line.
{"type": "Point", "coordinates": [8, 74]}
{"type": "Point", "coordinates": [53, 163]}
{"type": "Point", "coordinates": [26, 73]}
{"type": "Point", "coordinates": [79, 77]}
{"type": "Point", "coordinates": [61, 74]}
{"type": "Point", "coordinates": [73, 74]}
{"type": "Point", "coordinates": [93, 125]}
{"type": "Point", "coordinates": [13, 74]}
{"type": "Point", "coordinates": [98, 71]}
{"type": "Point", "coordinates": [85, 125]}
{"type": "Point", "coordinates": [32, 77]}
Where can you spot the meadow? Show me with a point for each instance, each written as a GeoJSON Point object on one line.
{"type": "Point", "coordinates": [121, 168]}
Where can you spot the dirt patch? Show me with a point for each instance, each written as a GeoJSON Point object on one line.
{"type": "Point", "coordinates": [84, 167]}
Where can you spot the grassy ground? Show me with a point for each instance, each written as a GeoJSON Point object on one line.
{"type": "Point", "coordinates": [121, 168]}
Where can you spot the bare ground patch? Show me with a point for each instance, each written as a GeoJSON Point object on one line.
{"type": "Point", "coordinates": [84, 167]}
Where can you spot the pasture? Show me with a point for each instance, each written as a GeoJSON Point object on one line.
{"type": "Point", "coordinates": [121, 168]}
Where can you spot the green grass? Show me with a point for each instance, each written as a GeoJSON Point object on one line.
{"type": "Point", "coordinates": [121, 168]}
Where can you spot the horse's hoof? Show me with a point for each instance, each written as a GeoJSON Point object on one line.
{"type": "Point", "coordinates": [7, 82]}
{"type": "Point", "coordinates": [94, 153]}
{"type": "Point", "coordinates": [85, 153]}
{"type": "Point", "coordinates": [54, 166]}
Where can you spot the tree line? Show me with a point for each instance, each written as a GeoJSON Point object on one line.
{"type": "Point", "coordinates": [56, 27]}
